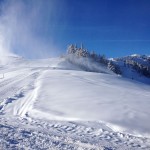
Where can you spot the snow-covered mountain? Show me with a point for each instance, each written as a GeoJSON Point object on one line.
{"type": "Point", "coordinates": [60, 103]}
{"type": "Point", "coordinates": [135, 67]}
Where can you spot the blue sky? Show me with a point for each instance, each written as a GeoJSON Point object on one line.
{"type": "Point", "coordinates": [111, 27]}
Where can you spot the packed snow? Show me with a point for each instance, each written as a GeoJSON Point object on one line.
{"type": "Point", "coordinates": [53, 104]}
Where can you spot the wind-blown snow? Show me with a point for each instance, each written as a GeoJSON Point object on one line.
{"type": "Point", "coordinates": [75, 95]}
{"type": "Point", "coordinates": [79, 109]}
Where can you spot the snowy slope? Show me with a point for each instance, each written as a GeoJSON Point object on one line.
{"type": "Point", "coordinates": [53, 104]}
{"type": "Point", "coordinates": [79, 95]}
{"type": "Point", "coordinates": [136, 67]}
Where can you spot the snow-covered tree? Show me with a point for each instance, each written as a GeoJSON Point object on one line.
{"type": "Point", "coordinates": [71, 49]}
{"type": "Point", "coordinates": [112, 66]}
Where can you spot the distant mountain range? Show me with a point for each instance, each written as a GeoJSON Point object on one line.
{"type": "Point", "coordinates": [134, 66]}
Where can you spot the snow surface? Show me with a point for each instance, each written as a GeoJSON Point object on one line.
{"type": "Point", "coordinates": [129, 72]}
{"type": "Point", "coordinates": [52, 104]}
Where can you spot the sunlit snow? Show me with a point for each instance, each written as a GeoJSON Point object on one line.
{"type": "Point", "coordinates": [56, 96]}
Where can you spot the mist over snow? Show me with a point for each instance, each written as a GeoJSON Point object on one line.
{"type": "Point", "coordinates": [81, 99]}
{"type": "Point", "coordinates": [24, 26]}
{"type": "Point", "coordinates": [55, 104]}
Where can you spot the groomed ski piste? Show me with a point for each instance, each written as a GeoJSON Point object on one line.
{"type": "Point", "coordinates": [52, 104]}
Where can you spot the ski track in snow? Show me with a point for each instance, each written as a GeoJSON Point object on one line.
{"type": "Point", "coordinates": [38, 134]}
{"type": "Point", "coordinates": [15, 88]}
{"type": "Point", "coordinates": [19, 91]}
